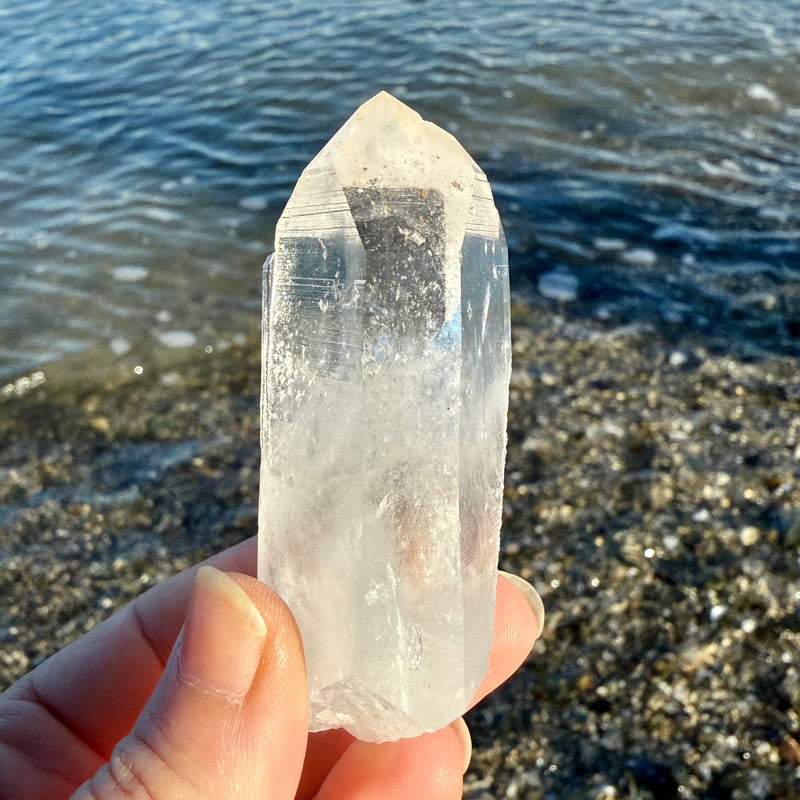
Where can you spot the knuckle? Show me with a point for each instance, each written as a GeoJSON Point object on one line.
{"type": "Point", "coordinates": [135, 771]}
{"type": "Point", "coordinates": [132, 767]}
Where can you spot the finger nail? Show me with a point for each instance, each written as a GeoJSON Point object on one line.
{"type": "Point", "coordinates": [462, 731]}
{"type": "Point", "coordinates": [222, 638]}
{"type": "Point", "coordinates": [531, 595]}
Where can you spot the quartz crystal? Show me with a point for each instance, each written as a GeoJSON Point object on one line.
{"type": "Point", "coordinates": [386, 361]}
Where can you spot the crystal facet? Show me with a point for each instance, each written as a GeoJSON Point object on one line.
{"type": "Point", "coordinates": [386, 361]}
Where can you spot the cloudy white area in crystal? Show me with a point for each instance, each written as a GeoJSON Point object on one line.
{"type": "Point", "coordinates": [386, 361]}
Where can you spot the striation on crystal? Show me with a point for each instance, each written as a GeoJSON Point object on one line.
{"type": "Point", "coordinates": [386, 362]}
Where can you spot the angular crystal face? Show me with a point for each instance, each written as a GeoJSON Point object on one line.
{"type": "Point", "coordinates": [386, 361]}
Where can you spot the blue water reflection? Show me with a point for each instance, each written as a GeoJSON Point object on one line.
{"type": "Point", "coordinates": [168, 136]}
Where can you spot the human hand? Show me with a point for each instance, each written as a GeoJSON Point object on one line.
{"type": "Point", "coordinates": [150, 705]}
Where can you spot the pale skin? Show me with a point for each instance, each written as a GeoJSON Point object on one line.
{"type": "Point", "coordinates": [196, 690]}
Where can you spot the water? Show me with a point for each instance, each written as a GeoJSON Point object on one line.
{"type": "Point", "coordinates": [147, 148]}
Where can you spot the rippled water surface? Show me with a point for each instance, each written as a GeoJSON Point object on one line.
{"type": "Point", "coordinates": [146, 149]}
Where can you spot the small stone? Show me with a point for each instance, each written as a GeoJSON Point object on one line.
{"type": "Point", "coordinates": [170, 378]}
{"type": "Point", "coordinates": [119, 346]}
{"type": "Point", "coordinates": [677, 358]}
{"type": "Point", "coordinates": [749, 535]}
{"type": "Point", "coordinates": [716, 613]}
{"type": "Point", "coordinates": [177, 340]}
{"type": "Point", "coordinates": [560, 286]}
{"type": "Point", "coordinates": [100, 423]}
{"type": "Point", "coordinates": [130, 274]}
{"type": "Point", "coordinates": [789, 750]}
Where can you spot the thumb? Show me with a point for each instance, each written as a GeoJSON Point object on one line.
{"type": "Point", "coordinates": [228, 718]}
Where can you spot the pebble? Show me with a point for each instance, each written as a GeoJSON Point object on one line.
{"type": "Point", "coordinates": [560, 286]}
{"type": "Point", "coordinates": [677, 358]}
{"type": "Point", "coordinates": [749, 535]}
{"type": "Point", "coordinates": [170, 378]}
{"type": "Point", "coordinates": [130, 274]}
{"type": "Point", "coordinates": [716, 613]}
{"type": "Point", "coordinates": [100, 423]}
{"type": "Point", "coordinates": [119, 346]}
{"type": "Point", "coordinates": [177, 339]}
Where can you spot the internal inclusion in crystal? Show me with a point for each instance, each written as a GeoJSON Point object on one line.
{"type": "Point", "coordinates": [386, 361]}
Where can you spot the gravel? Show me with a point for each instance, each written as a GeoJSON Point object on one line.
{"type": "Point", "coordinates": [652, 497]}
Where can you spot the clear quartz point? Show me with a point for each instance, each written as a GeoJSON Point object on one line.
{"type": "Point", "coordinates": [386, 362]}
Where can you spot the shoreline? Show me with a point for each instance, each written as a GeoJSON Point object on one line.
{"type": "Point", "coordinates": [651, 496]}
